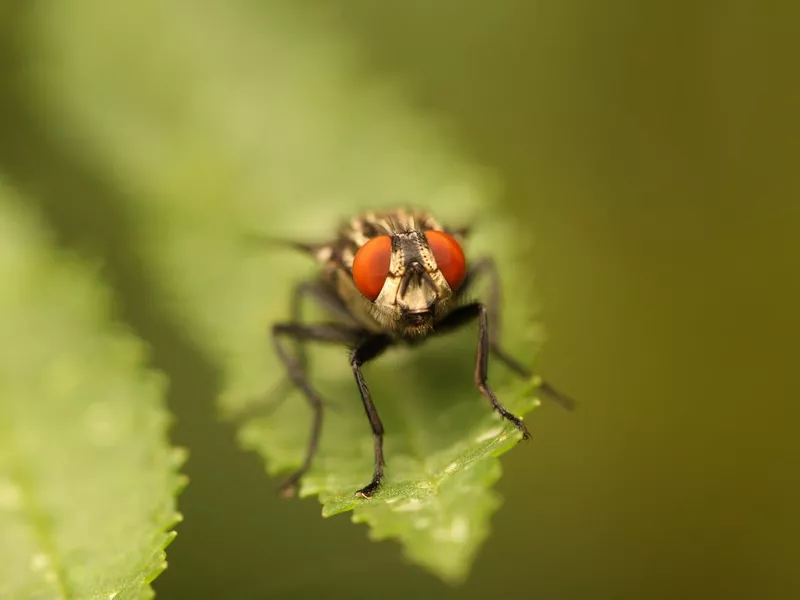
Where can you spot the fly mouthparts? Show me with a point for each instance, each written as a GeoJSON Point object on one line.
{"type": "Point", "coordinates": [417, 319]}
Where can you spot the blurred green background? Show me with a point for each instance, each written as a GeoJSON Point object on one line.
{"type": "Point", "coordinates": [652, 151]}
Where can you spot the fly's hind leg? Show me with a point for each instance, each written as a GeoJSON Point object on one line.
{"type": "Point", "coordinates": [555, 395]}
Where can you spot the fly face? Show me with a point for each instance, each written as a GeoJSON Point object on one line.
{"type": "Point", "coordinates": [399, 268]}
{"type": "Point", "coordinates": [414, 289]}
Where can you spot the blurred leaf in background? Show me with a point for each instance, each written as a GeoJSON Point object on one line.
{"type": "Point", "coordinates": [87, 476]}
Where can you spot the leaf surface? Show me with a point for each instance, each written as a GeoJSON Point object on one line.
{"type": "Point", "coordinates": [246, 118]}
{"type": "Point", "coordinates": [87, 477]}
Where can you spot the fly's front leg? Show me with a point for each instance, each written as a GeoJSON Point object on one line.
{"type": "Point", "coordinates": [482, 369]}
{"type": "Point", "coordinates": [331, 333]}
{"type": "Point", "coordinates": [465, 314]}
{"type": "Point", "coordinates": [368, 349]}
{"type": "Point", "coordinates": [487, 266]}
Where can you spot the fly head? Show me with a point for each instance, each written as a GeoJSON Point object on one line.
{"type": "Point", "coordinates": [410, 277]}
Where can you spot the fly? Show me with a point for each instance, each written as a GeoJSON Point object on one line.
{"type": "Point", "coordinates": [388, 278]}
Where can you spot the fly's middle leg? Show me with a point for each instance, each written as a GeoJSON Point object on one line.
{"type": "Point", "coordinates": [327, 332]}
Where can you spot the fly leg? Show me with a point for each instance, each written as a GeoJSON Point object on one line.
{"type": "Point", "coordinates": [488, 267]}
{"type": "Point", "coordinates": [555, 395]}
{"type": "Point", "coordinates": [323, 297]}
{"type": "Point", "coordinates": [465, 314]}
{"type": "Point", "coordinates": [371, 347]}
{"type": "Point", "coordinates": [330, 333]}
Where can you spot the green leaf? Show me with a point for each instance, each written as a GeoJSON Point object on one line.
{"type": "Point", "coordinates": [87, 478]}
{"type": "Point", "coordinates": [246, 118]}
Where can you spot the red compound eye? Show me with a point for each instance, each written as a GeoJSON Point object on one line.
{"type": "Point", "coordinates": [371, 266]}
{"type": "Point", "coordinates": [449, 256]}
